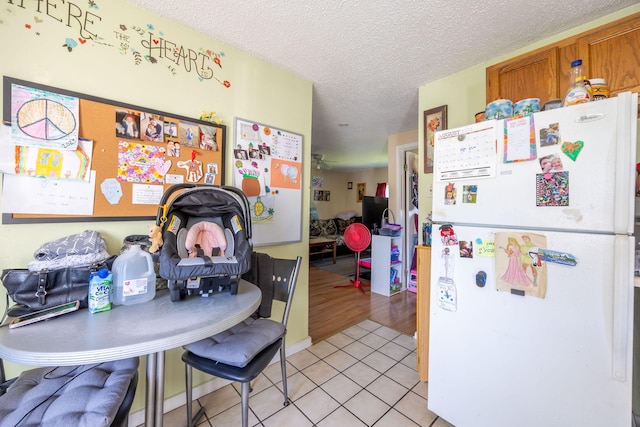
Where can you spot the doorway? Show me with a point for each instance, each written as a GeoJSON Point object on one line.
{"type": "Point", "coordinates": [407, 186]}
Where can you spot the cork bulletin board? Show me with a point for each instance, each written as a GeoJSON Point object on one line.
{"type": "Point", "coordinates": [129, 156]}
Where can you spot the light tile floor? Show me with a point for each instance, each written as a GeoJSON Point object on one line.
{"type": "Point", "coordinates": [362, 376]}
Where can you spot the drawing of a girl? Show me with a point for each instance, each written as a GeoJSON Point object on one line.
{"type": "Point", "coordinates": [515, 274]}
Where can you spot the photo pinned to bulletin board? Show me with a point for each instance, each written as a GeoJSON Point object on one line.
{"type": "Point", "coordinates": [267, 167]}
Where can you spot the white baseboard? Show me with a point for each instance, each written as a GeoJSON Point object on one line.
{"type": "Point", "coordinates": [174, 402]}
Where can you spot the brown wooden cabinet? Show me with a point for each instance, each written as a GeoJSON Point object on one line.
{"type": "Point", "coordinates": [423, 295]}
{"type": "Point", "coordinates": [611, 51]}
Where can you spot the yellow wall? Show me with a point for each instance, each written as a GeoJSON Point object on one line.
{"type": "Point", "coordinates": [465, 94]}
{"type": "Point", "coordinates": [106, 67]}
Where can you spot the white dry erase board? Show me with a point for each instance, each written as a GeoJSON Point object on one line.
{"type": "Point", "coordinates": [267, 167]}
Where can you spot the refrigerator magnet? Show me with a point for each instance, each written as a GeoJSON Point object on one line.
{"type": "Point", "coordinates": [448, 235]}
{"type": "Point", "coordinates": [469, 193]}
{"type": "Point", "coordinates": [450, 193]}
{"type": "Point", "coordinates": [552, 189]}
{"type": "Point", "coordinates": [556, 257]}
{"type": "Point", "coordinates": [572, 149]}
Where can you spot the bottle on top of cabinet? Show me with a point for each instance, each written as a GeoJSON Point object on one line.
{"type": "Point", "coordinates": [578, 92]}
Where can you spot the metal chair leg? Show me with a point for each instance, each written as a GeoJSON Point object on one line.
{"type": "Point", "coordinates": [283, 368]}
{"type": "Point", "coordinates": [191, 420]}
{"type": "Point", "coordinates": [245, 404]}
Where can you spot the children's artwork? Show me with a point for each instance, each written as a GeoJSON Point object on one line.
{"type": "Point", "coordinates": [25, 195]}
{"type": "Point", "coordinates": [519, 266]}
{"type": "Point", "coordinates": [152, 125]}
{"type": "Point", "coordinates": [250, 179]}
{"type": "Point", "coordinates": [44, 119]}
{"type": "Point", "coordinates": [193, 170]}
{"type": "Point", "coordinates": [268, 168]}
{"type": "Point", "coordinates": [111, 190]}
{"type": "Point", "coordinates": [519, 139]}
{"type": "Point", "coordinates": [141, 163]}
{"type": "Point", "coordinates": [572, 149]}
{"type": "Point", "coordinates": [262, 209]}
{"type": "Point", "coordinates": [43, 162]}
{"type": "Point", "coordinates": [127, 124]}
{"type": "Point", "coordinates": [552, 189]}
{"type": "Point", "coordinates": [250, 132]}
{"type": "Point", "coordinates": [447, 295]}
{"type": "Point", "coordinates": [285, 174]}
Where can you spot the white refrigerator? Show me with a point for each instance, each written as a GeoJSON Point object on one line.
{"type": "Point", "coordinates": [532, 269]}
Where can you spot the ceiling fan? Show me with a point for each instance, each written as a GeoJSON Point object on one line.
{"type": "Point", "coordinates": [318, 162]}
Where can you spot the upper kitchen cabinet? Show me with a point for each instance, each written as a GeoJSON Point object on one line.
{"type": "Point", "coordinates": [611, 51]}
{"type": "Point", "coordinates": [534, 75]}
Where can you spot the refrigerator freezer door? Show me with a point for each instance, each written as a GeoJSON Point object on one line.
{"type": "Point", "coordinates": [501, 359]}
{"type": "Point", "coordinates": [600, 174]}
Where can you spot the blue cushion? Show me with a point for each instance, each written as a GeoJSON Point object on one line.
{"type": "Point", "coordinates": [239, 344]}
{"type": "Point", "coordinates": [87, 395]}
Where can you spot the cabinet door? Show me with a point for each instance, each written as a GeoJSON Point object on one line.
{"type": "Point", "coordinates": [423, 304]}
{"type": "Point", "coordinates": [528, 76]}
{"type": "Point", "coordinates": [613, 53]}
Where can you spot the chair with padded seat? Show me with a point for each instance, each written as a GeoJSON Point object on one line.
{"type": "Point", "coordinates": [243, 351]}
{"type": "Point", "coordinates": [87, 395]}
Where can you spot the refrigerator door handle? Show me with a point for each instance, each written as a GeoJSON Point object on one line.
{"type": "Point", "coordinates": [622, 288]}
{"type": "Point", "coordinates": [625, 176]}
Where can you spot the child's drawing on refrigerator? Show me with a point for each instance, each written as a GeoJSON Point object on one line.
{"type": "Point", "coordinates": [518, 266]}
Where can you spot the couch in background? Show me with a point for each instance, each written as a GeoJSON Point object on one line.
{"type": "Point", "coordinates": [333, 228]}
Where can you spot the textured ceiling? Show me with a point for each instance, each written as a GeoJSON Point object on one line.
{"type": "Point", "coordinates": [367, 58]}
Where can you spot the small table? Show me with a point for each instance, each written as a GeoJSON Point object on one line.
{"type": "Point", "coordinates": [129, 331]}
{"type": "Point", "coordinates": [327, 245]}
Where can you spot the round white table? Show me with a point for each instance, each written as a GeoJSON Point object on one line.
{"type": "Point", "coordinates": [129, 331]}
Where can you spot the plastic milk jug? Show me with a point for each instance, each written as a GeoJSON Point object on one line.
{"type": "Point", "coordinates": [134, 277]}
{"type": "Point", "coordinates": [100, 287]}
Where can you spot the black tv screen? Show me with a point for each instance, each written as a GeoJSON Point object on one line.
{"type": "Point", "coordinates": [372, 210]}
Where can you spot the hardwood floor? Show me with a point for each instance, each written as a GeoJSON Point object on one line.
{"type": "Point", "coordinates": [334, 309]}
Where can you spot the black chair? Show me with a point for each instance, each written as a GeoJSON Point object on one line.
{"type": "Point", "coordinates": [96, 395]}
{"type": "Point", "coordinates": [242, 352]}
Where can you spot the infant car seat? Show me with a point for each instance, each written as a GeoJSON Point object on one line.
{"type": "Point", "coordinates": [206, 233]}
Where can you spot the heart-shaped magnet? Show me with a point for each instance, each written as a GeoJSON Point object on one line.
{"type": "Point", "coordinates": [572, 149]}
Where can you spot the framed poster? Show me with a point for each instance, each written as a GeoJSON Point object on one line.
{"type": "Point", "coordinates": [362, 191]}
{"type": "Point", "coordinates": [267, 167]}
{"type": "Point", "coordinates": [435, 119]}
